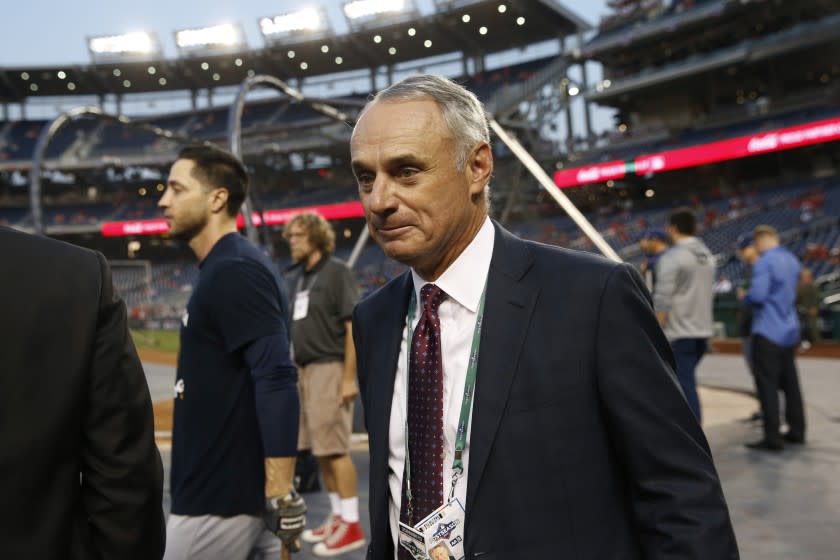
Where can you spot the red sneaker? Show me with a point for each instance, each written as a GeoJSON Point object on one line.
{"type": "Point", "coordinates": [326, 529]}
{"type": "Point", "coordinates": [346, 537]}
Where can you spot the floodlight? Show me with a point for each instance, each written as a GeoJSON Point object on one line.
{"type": "Point", "coordinates": [363, 8]}
{"type": "Point", "coordinates": [362, 12]}
{"type": "Point", "coordinates": [141, 44]}
{"type": "Point", "coordinates": [305, 20]}
{"type": "Point", "coordinates": [226, 36]}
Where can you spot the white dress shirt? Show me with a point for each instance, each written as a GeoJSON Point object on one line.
{"type": "Point", "coordinates": [463, 282]}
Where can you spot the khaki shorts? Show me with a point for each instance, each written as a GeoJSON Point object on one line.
{"type": "Point", "coordinates": [325, 425]}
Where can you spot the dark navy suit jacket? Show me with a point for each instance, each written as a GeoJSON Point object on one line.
{"type": "Point", "coordinates": [581, 444]}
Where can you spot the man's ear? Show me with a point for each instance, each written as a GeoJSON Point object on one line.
{"type": "Point", "coordinates": [218, 200]}
{"type": "Point", "coordinates": [479, 167]}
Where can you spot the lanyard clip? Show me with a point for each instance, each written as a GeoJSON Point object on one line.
{"type": "Point", "coordinates": [457, 472]}
{"type": "Point", "coordinates": [455, 476]}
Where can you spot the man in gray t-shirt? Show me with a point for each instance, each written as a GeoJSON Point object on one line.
{"type": "Point", "coordinates": [323, 292]}
{"type": "Point", "coordinates": [683, 299]}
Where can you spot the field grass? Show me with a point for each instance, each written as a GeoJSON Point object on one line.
{"type": "Point", "coordinates": [162, 341]}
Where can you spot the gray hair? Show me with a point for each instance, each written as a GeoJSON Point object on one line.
{"type": "Point", "coordinates": [461, 110]}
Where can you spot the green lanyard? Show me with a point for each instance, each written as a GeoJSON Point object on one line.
{"type": "Point", "coordinates": [466, 402]}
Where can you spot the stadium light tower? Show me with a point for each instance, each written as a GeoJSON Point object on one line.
{"type": "Point", "coordinates": [368, 13]}
{"type": "Point", "coordinates": [225, 37]}
{"type": "Point", "coordinates": [310, 22]}
{"type": "Point", "coordinates": [140, 45]}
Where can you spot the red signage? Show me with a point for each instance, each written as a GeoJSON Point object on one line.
{"type": "Point", "coordinates": [337, 211]}
{"type": "Point", "coordinates": [590, 174]}
{"type": "Point", "coordinates": [136, 227]}
{"type": "Point", "coordinates": [734, 148]}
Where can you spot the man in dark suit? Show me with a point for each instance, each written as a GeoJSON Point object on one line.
{"type": "Point", "coordinates": [80, 476]}
{"type": "Point", "coordinates": [580, 443]}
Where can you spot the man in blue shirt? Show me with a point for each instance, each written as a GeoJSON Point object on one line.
{"type": "Point", "coordinates": [775, 331]}
{"type": "Point", "coordinates": [236, 416]}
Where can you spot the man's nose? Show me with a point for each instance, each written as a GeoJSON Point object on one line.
{"type": "Point", "coordinates": [382, 199]}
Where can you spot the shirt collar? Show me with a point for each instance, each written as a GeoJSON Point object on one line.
{"type": "Point", "coordinates": [315, 269]}
{"type": "Point", "coordinates": [465, 278]}
{"type": "Point", "coordinates": [224, 245]}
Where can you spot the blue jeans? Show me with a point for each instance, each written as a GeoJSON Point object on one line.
{"type": "Point", "coordinates": [687, 353]}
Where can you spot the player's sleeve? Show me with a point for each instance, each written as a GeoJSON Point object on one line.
{"type": "Point", "coordinates": [276, 394]}
{"type": "Point", "coordinates": [246, 303]}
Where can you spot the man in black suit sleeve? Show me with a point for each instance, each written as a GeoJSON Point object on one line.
{"type": "Point", "coordinates": [80, 474]}
{"type": "Point", "coordinates": [581, 444]}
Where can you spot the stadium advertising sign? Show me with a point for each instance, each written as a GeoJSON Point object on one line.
{"type": "Point", "coordinates": [337, 211]}
{"type": "Point", "coordinates": [734, 148]}
{"type": "Point", "coordinates": [136, 227]}
{"type": "Point", "coordinates": [590, 174]}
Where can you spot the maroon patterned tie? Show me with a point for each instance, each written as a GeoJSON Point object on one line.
{"type": "Point", "coordinates": [425, 413]}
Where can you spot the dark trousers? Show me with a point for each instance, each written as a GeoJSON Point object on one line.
{"type": "Point", "coordinates": [775, 370]}
{"type": "Point", "coordinates": [687, 353]}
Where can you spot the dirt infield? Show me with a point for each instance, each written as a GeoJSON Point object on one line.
{"type": "Point", "coordinates": [157, 356]}
{"type": "Point", "coordinates": [163, 415]}
{"type": "Point", "coordinates": [821, 350]}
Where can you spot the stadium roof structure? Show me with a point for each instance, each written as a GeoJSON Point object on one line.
{"type": "Point", "coordinates": [803, 36]}
{"type": "Point", "coordinates": [613, 42]}
{"type": "Point", "coordinates": [637, 54]}
{"type": "Point", "coordinates": [486, 29]}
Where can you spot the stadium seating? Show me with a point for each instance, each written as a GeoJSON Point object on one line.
{"type": "Point", "coordinates": [112, 139]}
{"type": "Point", "coordinates": [806, 215]}
{"type": "Point", "coordinates": [634, 143]}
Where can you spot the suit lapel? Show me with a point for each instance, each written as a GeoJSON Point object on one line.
{"type": "Point", "coordinates": [508, 307]}
{"type": "Point", "coordinates": [385, 344]}
{"type": "Point", "coordinates": [383, 351]}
